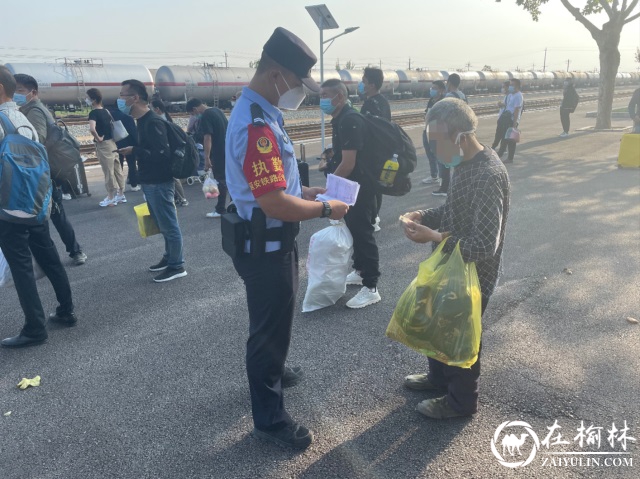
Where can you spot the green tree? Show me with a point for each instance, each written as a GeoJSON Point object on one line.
{"type": "Point", "coordinates": [487, 68]}
{"type": "Point", "coordinates": [607, 38]}
{"type": "Point", "coordinates": [254, 64]}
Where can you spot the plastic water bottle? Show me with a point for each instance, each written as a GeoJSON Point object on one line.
{"type": "Point", "coordinates": [389, 171]}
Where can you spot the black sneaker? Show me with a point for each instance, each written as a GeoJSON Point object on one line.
{"type": "Point", "coordinates": [169, 274]}
{"type": "Point", "coordinates": [439, 192]}
{"type": "Point", "coordinates": [291, 376]}
{"type": "Point", "coordinates": [161, 266]}
{"type": "Point", "coordinates": [79, 258]}
{"type": "Point", "coordinates": [294, 435]}
{"type": "Point", "coordinates": [69, 319]}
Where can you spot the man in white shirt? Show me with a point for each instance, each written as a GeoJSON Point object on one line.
{"type": "Point", "coordinates": [513, 105]}
{"type": "Point", "coordinates": [19, 241]}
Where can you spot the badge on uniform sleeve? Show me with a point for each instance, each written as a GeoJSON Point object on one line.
{"type": "Point", "coordinates": [264, 145]}
{"type": "Point", "coordinates": [262, 165]}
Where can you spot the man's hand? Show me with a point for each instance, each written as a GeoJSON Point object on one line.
{"type": "Point", "coordinates": [418, 233]}
{"type": "Point", "coordinates": [310, 193]}
{"type": "Point", "coordinates": [338, 209]}
{"type": "Point", "coordinates": [126, 151]}
{"type": "Point", "coordinates": [413, 216]}
{"type": "Point", "coordinates": [207, 165]}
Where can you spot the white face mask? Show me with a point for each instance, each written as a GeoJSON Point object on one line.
{"type": "Point", "coordinates": [292, 98]}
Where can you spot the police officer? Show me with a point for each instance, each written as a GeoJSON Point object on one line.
{"type": "Point", "coordinates": [263, 179]}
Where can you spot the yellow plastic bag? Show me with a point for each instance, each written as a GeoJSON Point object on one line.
{"type": "Point", "coordinates": [146, 224]}
{"type": "Point", "coordinates": [439, 314]}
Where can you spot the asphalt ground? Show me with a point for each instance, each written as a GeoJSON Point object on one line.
{"type": "Point", "coordinates": [151, 382]}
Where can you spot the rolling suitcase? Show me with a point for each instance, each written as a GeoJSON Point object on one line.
{"type": "Point", "coordinates": [629, 156]}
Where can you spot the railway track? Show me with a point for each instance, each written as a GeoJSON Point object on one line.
{"type": "Point", "coordinates": [311, 130]}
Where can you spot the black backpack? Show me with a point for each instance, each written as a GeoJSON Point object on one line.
{"type": "Point", "coordinates": [184, 152]}
{"type": "Point", "coordinates": [384, 139]}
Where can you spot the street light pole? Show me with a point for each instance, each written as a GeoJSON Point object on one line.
{"type": "Point", "coordinates": [321, 82]}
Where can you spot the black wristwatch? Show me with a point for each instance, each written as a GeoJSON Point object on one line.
{"type": "Point", "coordinates": [326, 209]}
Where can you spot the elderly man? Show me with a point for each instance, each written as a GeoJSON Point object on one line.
{"type": "Point", "coordinates": [474, 215]}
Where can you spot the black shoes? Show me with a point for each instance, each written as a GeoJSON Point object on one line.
{"type": "Point", "coordinates": [161, 266]}
{"type": "Point", "coordinates": [170, 274]}
{"type": "Point", "coordinates": [21, 341]}
{"type": "Point", "coordinates": [293, 435]}
{"type": "Point", "coordinates": [69, 319]}
{"type": "Point", "coordinates": [291, 376]}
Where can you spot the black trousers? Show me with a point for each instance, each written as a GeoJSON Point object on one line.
{"type": "Point", "coordinates": [378, 206]}
{"type": "Point", "coordinates": [461, 383]}
{"type": "Point", "coordinates": [18, 243]}
{"type": "Point", "coordinates": [62, 224]}
{"type": "Point", "coordinates": [220, 176]}
{"type": "Point", "coordinates": [445, 176]}
{"type": "Point", "coordinates": [271, 282]}
{"type": "Point", "coordinates": [504, 123]}
{"type": "Point", "coordinates": [565, 119]}
{"type": "Point", "coordinates": [365, 250]}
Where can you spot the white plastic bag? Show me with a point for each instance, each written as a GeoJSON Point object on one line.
{"type": "Point", "coordinates": [6, 280]}
{"type": "Point", "coordinates": [328, 265]}
{"type": "Point", "coordinates": [210, 187]}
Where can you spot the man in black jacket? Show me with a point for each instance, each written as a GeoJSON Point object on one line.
{"type": "Point", "coordinates": [349, 136]}
{"type": "Point", "coordinates": [570, 101]}
{"type": "Point", "coordinates": [634, 110]}
{"type": "Point", "coordinates": [153, 155]}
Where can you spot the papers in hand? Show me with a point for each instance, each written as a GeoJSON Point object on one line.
{"type": "Point", "coordinates": [341, 189]}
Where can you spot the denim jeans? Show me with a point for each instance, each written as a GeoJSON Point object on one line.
{"type": "Point", "coordinates": [433, 162]}
{"type": "Point", "coordinates": [163, 211]}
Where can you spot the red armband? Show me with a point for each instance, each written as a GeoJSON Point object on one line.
{"type": "Point", "coordinates": [262, 163]}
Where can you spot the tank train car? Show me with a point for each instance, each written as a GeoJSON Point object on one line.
{"type": "Point", "coordinates": [66, 82]}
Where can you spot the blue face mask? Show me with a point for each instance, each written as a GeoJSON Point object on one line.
{"type": "Point", "coordinates": [433, 93]}
{"type": "Point", "coordinates": [511, 89]}
{"type": "Point", "coordinates": [326, 106]}
{"type": "Point", "coordinates": [20, 99]}
{"type": "Point", "coordinates": [361, 88]}
{"type": "Point", "coordinates": [122, 106]}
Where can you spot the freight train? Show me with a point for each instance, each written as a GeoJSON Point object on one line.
{"type": "Point", "coordinates": [66, 82]}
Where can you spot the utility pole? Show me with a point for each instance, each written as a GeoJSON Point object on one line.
{"type": "Point", "coordinates": [226, 60]}
{"type": "Point", "coordinates": [409, 63]}
{"type": "Point", "coordinates": [544, 67]}
{"type": "Point", "coordinates": [380, 64]}
{"type": "Point", "coordinates": [568, 62]}
{"type": "Point", "coordinates": [468, 65]}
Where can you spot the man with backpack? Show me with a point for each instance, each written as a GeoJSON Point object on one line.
{"type": "Point", "coordinates": [155, 174]}
{"type": "Point", "coordinates": [212, 128]}
{"type": "Point", "coordinates": [24, 227]}
{"type": "Point", "coordinates": [349, 137]}
{"type": "Point", "coordinates": [26, 97]}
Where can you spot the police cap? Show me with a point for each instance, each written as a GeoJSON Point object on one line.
{"type": "Point", "coordinates": [292, 53]}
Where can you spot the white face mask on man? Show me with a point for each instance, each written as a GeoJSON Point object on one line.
{"type": "Point", "coordinates": [292, 98]}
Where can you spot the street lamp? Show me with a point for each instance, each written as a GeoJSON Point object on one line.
{"type": "Point", "coordinates": [325, 21]}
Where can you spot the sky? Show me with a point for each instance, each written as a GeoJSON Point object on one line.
{"type": "Point", "coordinates": [438, 35]}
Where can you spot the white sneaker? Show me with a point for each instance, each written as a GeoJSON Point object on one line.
{"type": "Point", "coordinates": [66, 196]}
{"type": "Point", "coordinates": [108, 202]}
{"type": "Point", "coordinates": [376, 225]}
{"type": "Point", "coordinates": [120, 198]}
{"type": "Point", "coordinates": [563, 134]}
{"type": "Point", "coordinates": [213, 214]}
{"type": "Point", "coordinates": [431, 181]}
{"type": "Point", "coordinates": [354, 278]}
{"type": "Point", "coordinates": [365, 297]}
{"type": "Point", "coordinates": [135, 188]}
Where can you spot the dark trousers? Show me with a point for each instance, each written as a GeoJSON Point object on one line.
{"type": "Point", "coordinates": [433, 161]}
{"type": "Point", "coordinates": [504, 123]}
{"type": "Point", "coordinates": [445, 175]}
{"type": "Point", "coordinates": [461, 383]}
{"type": "Point", "coordinates": [132, 176]}
{"type": "Point", "coordinates": [565, 119]}
{"type": "Point", "coordinates": [365, 249]}
{"type": "Point", "coordinates": [221, 205]}
{"type": "Point", "coordinates": [62, 224]}
{"type": "Point", "coordinates": [376, 212]}
{"type": "Point", "coordinates": [18, 242]}
{"type": "Point", "coordinates": [271, 282]}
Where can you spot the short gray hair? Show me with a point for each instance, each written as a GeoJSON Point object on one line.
{"type": "Point", "coordinates": [336, 86]}
{"type": "Point", "coordinates": [455, 113]}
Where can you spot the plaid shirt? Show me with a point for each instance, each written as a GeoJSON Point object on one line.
{"type": "Point", "coordinates": [10, 109]}
{"type": "Point", "coordinates": [475, 214]}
